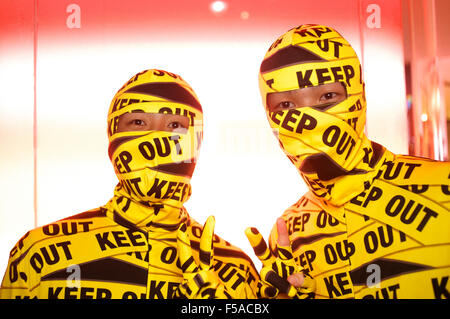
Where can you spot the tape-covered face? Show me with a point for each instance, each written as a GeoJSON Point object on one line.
{"type": "Point", "coordinates": [312, 89]}
{"type": "Point", "coordinates": [155, 129]}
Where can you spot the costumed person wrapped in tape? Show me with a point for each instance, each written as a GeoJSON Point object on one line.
{"type": "Point", "coordinates": [142, 243]}
{"type": "Point", "coordinates": [373, 224]}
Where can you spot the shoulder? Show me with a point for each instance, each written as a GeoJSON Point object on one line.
{"type": "Point", "coordinates": [416, 179]}
{"type": "Point", "coordinates": [406, 169]}
{"type": "Point", "coordinates": [426, 178]}
{"type": "Point", "coordinates": [307, 203]}
{"type": "Point", "coordinates": [72, 225]}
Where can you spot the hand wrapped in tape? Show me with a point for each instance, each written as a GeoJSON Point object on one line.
{"type": "Point", "coordinates": [280, 275]}
{"type": "Point", "coordinates": [199, 281]}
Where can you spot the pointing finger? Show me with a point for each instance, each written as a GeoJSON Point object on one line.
{"type": "Point", "coordinates": [283, 236]}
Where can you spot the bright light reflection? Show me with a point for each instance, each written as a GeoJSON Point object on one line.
{"type": "Point", "coordinates": [218, 6]}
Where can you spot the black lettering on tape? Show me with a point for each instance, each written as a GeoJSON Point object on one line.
{"type": "Point", "coordinates": [223, 275]}
{"type": "Point", "coordinates": [104, 242]}
{"type": "Point", "coordinates": [168, 255]}
{"type": "Point", "coordinates": [147, 150]}
{"type": "Point", "coordinates": [341, 288]}
{"type": "Point", "coordinates": [409, 211]}
{"type": "Point", "coordinates": [389, 292]}
{"type": "Point", "coordinates": [304, 79]}
{"type": "Point", "coordinates": [125, 158]}
{"type": "Point", "coordinates": [159, 148]}
{"type": "Point", "coordinates": [50, 255]}
{"type": "Point", "coordinates": [440, 287]}
{"type": "Point", "coordinates": [307, 122]}
{"type": "Point", "coordinates": [331, 135]}
{"type": "Point", "coordinates": [324, 219]}
{"type": "Point", "coordinates": [156, 188]}
{"type": "Point", "coordinates": [384, 237]}
{"type": "Point", "coordinates": [289, 118]}
{"type": "Point", "coordinates": [349, 73]}
{"type": "Point", "coordinates": [336, 73]}
{"type": "Point", "coordinates": [156, 289]}
{"type": "Point", "coordinates": [307, 258]}
{"type": "Point", "coordinates": [340, 251]}
{"type": "Point", "coordinates": [78, 293]}
{"type": "Point", "coordinates": [445, 189]}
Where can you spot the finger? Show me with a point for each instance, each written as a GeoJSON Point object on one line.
{"type": "Point", "coordinates": [206, 243]}
{"type": "Point", "coordinates": [187, 262]}
{"type": "Point", "coordinates": [259, 245]}
{"type": "Point", "coordinates": [283, 235]}
{"type": "Point", "coordinates": [308, 285]}
{"type": "Point", "coordinates": [266, 291]}
{"type": "Point", "coordinates": [284, 250]}
{"type": "Point", "coordinates": [275, 280]}
{"type": "Point", "coordinates": [296, 280]}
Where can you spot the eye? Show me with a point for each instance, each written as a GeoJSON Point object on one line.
{"type": "Point", "coordinates": [329, 96]}
{"type": "Point", "coordinates": [175, 125]}
{"type": "Point", "coordinates": [285, 105]}
{"type": "Point", "coordinates": [138, 122]}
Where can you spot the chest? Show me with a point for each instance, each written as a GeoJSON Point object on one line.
{"type": "Point", "coordinates": [374, 247]}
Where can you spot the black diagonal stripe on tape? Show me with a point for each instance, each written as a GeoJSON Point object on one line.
{"type": "Point", "coordinates": [288, 56]}
{"type": "Point", "coordinates": [169, 91]}
{"type": "Point", "coordinates": [119, 141]}
{"type": "Point", "coordinates": [187, 263]}
{"type": "Point", "coordinates": [389, 268]}
{"type": "Point", "coordinates": [299, 241]}
{"type": "Point", "coordinates": [261, 248]}
{"type": "Point", "coordinates": [105, 270]}
{"type": "Point", "coordinates": [205, 257]}
{"type": "Point", "coordinates": [182, 169]}
{"type": "Point", "coordinates": [199, 281]}
{"type": "Point", "coordinates": [284, 253]}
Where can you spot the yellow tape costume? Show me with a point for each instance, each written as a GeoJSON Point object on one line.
{"type": "Point", "coordinates": [374, 224]}
{"type": "Point", "coordinates": [142, 243]}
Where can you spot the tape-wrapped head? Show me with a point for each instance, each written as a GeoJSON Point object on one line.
{"type": "Point", "coordinates": [310, 55]}
{"type": "Point", "coordinates": [155, 164]}
{"type": "Point", "coordinates": [324, 139]}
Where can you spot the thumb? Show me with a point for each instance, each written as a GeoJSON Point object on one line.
{"type": "Point", "coordinates": [296, 280]}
